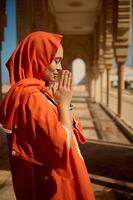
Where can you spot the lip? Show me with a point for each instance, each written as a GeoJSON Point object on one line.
{"type": "Point", "coordinates": [56, 75]}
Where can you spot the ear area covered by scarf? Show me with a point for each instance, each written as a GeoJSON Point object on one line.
{"type": "Point", "coordinates": [33, 55]}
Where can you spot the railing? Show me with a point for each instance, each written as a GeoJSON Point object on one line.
{"type": "Point", "coordinates": [127, 105]}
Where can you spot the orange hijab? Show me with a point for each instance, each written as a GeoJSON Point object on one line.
{"type": "Point", "coordinates": [26, 66]}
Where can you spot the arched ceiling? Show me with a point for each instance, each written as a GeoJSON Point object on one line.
{"type": "Point", "coordinates": [76, 17]}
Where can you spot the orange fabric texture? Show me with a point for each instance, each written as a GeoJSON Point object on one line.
{"type": "Point", "coordinates": [29, 60]}
{"type": "Point", "coordinates": [33, 55]}
{"type": "Point", "coordinates": [43, 165]}
{"type": "Point", "coordinates": [14, 97]}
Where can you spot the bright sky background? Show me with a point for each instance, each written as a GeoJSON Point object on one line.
{"type": "Point", "coordinates": [9, 43]}
{"type": "Point", "coordinates": [78, 77]}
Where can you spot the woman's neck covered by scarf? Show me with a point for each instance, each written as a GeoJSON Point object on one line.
{"type": "Point", "coordinates": [26, 66]}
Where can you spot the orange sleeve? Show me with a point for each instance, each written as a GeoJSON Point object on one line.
{"type": "Point", "coordinates": [43, 137]}
{"type": "Point", "coordinates": [78, 131]}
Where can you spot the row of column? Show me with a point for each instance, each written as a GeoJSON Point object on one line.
{"type": "Point", "coordinates": [111, 42]}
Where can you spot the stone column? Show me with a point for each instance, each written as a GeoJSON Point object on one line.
{"type": "Point", "coordinates": [31, 15]}
{"type": "Point", "coordinates": [122, 22]}
{"type": "Point", "coordinates": [120, 86]}
{"type": "Point", "coordinates": [108, 70]}
{"type": "Point", "coordinates": [97, 89]}
{"type": "Point", "coordinates": [24, 17]}
{"type": "Point", "coordinates": [101, 65]}
{"type": "Point", "coordinates": [95, 63]}
{"type": "Point", "coordinates": [93, 89]}
{"type": "Point", "coordinates": [89, 86]}
{"type": "Point", "coordinates": [89, 76]}
{"type": "Point", "coordinates": [108, 55]}
{"type": "Point", "coordinates": [101, 85]}
{"type": "Point", "coordinates": [52, 27]}
{"type": "Point", "coordinates": [93, 84]}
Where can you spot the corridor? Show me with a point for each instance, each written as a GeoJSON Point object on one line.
{"type": "Point", "coordinates": [98, 50]}
{"type": "Point", "coordinates": [108, 153]}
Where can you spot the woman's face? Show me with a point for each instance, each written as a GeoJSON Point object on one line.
{"type": "Point", "coordinates": [54, 69]}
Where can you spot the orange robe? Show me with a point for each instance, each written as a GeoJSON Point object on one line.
{"type": "Point", "coordinates": [43, 165]}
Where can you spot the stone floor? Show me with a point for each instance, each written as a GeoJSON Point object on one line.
{"type": "Point", "coordinates": [6, 188]}
{"type": "Point", "coordinates": [108, 154]}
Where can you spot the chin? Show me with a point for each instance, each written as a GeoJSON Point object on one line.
{"type": "Point", "coordinates": [49, 80]}
{"type": "Point", "coordinates": [52, 81]}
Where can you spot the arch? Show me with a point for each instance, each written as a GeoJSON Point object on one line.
{"type": "Point", "coordinates": [78, 71]}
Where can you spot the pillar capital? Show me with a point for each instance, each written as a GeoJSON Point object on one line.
{"type": "Point", "coordinates": [100, 62]}
{"type": "Point", "coordinates": [101, 70]}
{"type": "Point", "coordinates": [108, 45]}
{"type": "Point", "coordinates": [122, 26]}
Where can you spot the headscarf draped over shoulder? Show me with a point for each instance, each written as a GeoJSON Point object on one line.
{"type": "Point", "coordinates": [26, 66]}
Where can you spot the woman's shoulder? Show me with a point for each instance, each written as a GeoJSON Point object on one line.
{"type": "Point", "coordinates": [39, 105]}
{"type": "Point", "coordinates": [38, 96]}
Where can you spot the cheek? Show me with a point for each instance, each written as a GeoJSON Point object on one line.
{"type": "Point", "coordinates": [52, 67]}
{"type": "Point", "coordinates": [48, 73]}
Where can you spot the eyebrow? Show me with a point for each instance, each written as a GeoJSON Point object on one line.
{"type": "Point", "coordinates": [60, 58]}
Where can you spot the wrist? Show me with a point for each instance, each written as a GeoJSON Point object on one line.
{"type": "Point", "coordinates": [63, 106]}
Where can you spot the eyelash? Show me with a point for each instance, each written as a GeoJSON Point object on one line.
{"type": "Point", "coordinates": [57, 61]}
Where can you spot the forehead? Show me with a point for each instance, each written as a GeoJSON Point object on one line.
{"type": "Point", "coordinates": [59, 52]}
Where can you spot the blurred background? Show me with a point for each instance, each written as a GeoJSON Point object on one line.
{"type": "Point", "coordinates": [98, 49]}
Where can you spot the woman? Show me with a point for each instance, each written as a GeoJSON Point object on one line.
{"type": "Point", "coordinates": [43, 137]}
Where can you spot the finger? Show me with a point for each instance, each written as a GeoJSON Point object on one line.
{"type": "Point", "coordinates": [69, 80]}
{"type": "Point", "coordinates": [61, 79]}
{"type": "Point", "coordinates": [71, 86]}
{"type": "Point", "coordinates": [66, 75]}
{"type": "Point", "coordinates": [71, 83]}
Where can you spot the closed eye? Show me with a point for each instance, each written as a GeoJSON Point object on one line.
{"type": "Point", "coordinates": [57, 59]}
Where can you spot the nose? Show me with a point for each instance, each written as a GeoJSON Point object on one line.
{"type": "Point", "coordinates": [59, 67]}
